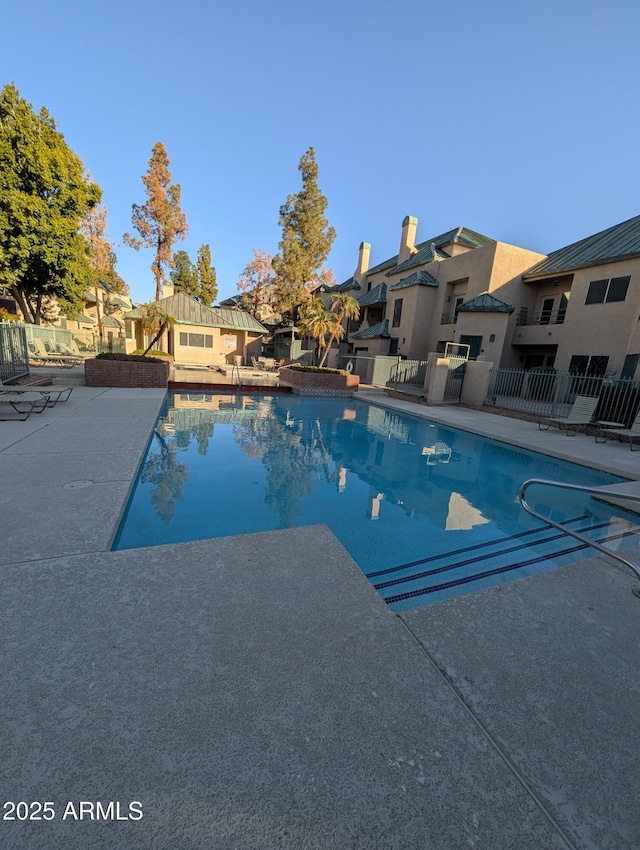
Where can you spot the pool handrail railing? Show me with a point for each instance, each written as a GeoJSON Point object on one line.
{"type": "Point", "coordinates": [599, 491]}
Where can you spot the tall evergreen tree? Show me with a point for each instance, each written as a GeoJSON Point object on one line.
{"type": "Point", "coordinates": [160, 222]}
{"type": "Point", "coordinates": [44, 195]}
{"type": "Point", "coordinates": [207, 283]}
{"type": "Point", "coordinates": [184, 274]}
{"type": "Point", "coordinates": [306, 238]}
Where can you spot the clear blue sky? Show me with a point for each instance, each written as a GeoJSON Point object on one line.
{"type": "Point", "coordinates": [518, 120]}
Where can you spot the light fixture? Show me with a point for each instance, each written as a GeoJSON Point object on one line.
{"type": "Point", "coordinates": [492, 338]}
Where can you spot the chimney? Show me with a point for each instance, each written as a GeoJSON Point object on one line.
{"type": "Point", "coordinates": [167, 288]}
{"type": "Point", "coordinates": [363, 262]}
{"type": "Point", "coordinates": [408, 238]}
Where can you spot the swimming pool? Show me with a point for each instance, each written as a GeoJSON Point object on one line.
{"type": "Point", "coordinates": [426, 511]}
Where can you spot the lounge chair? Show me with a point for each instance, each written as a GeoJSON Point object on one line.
{"type": "Point", "coordinates": [52, 394]}
{"type": "Point", "coordinates": [580, 416]}
{"type": "Point", "coordinates": [70, 350]}
{"type": "Point", "coordinates": [53, 357]}
{"type": "Point", "coordinates": [22, 404]}
{"type": "Point", "coordinates": [630, 433]}
{"type": "Point", "coordinates": [256, 363]}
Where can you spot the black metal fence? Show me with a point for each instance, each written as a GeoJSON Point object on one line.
{"type": "Point", "coordinates": [14, 354]}
{"type": "Point", "coordinates": [551, 393]}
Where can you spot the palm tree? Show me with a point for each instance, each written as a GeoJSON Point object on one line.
{"type": "Point", "coordinates": [155, 320]}
{"type": "Point", "coordinates": [344, 307]}
{"type": "Point", "coordinates": [316, 321]}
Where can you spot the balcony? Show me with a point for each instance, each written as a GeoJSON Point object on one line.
{"type": "Point", "coordinates": [544, 317]}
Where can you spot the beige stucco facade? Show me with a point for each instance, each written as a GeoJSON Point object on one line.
{"type": "Point", "coordinates": [539, 319]}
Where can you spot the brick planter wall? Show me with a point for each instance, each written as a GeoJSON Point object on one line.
{"type": "Point", "coordinates": [319, 383]}
{"type": "Point", "coordinates": [126, 373]}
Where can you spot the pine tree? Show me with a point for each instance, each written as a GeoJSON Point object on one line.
{"type": "Point", "coordinates": [306, 238]}
{"type": "Point", "coordinates": [207, 284]}
{"type": "Point", "coordinates": [44, 195]}
{"type": "Point", "coordinates": [160, 222]}
{"type": "Point", "coordinates": [184, 274]}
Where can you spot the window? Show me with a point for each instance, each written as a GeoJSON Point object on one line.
{"type": "Point", "coordinates": [547, 310]}
{"type": "Point", "coordinates": [393, 346]}
{"type": "Point", "coordinates": [474, 343]}
{"type": "Point", "coordinates": [607, 291]}
{"type": "Point", "coordinates": [196, 340]}
{"type": "Point", "coordinates": [397, 312]}
{"type": "Point", "coordinates": [594, 366]}
{"type": "Point", "coordinates": [629, 368]}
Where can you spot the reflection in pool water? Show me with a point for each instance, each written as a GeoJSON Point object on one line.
{"type": "Point", "coordinates": [406, 497]}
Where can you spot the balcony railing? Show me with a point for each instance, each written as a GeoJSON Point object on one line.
{"type": "Point", "coordinates": [544, 317]}
{"type": "Point", "coordinates": [449, 318]}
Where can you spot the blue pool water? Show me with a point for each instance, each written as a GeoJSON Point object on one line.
{"type": "Point", "coordinates": [426, 511]}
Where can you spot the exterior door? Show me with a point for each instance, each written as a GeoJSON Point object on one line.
{"type": "Point", "coordinates": [474, 343]}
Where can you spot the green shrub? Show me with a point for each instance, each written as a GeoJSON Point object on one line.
{"type": "Point", "coordinates": [138, 358]}
{"type": "Point", "coordinates": [324, 370]}
{"type": "Point", "coordinates": [152, 353]}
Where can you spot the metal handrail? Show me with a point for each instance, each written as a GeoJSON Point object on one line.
{"type": "Point", "coordinates": [634, 497]}
{"type": "Point", "coordinates": [236, 368]}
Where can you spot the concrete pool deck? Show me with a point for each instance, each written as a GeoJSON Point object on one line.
{"type": "Point", "coordinates": [255, 692]}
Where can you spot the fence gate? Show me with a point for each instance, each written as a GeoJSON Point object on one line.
{"type": "Point", "coordinates": [14, 357]}
{"type": "Point", "coordinates": [410, 376]}
{"type": "Point", "coordinates": [455, 377]}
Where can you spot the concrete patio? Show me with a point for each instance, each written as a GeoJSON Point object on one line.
{"type": "Point", "coordinates": [255, 692]}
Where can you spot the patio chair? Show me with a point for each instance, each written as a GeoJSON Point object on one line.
{"type": "Point", "coordinates": [630, 433]}
{"type": "Point", "coordinates": [257, 364]}
{"type": "Point", "coordinates": [580, 416]}
{"type": "Point", "coordinates": [22, 404]}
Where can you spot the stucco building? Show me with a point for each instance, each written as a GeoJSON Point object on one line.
{"type": "Point", "coordinates": [577, 308]}
{"type": "Point", "coordinates": [201, 336]}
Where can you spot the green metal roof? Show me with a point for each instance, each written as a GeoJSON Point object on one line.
{"type": "Point", "coordinates": [111, 322]}
{"type": "Point", "coordinates": [84, 319]}
{"type": "Point", "coordinates": [187, 311]}
{"type": "Point", "coordinates": [459, 235]}
{"type": "Point", "coordinates": [347, 285]}
{"type": "Point", "coordinates": [620, 242]}
{"type": "Point", "coordinates": [375, 331]}
{"type": "Point", "coordinates": [485, 303]}
{"type": "Point", "coordinates": [377, 295]}
{"type": "Point", "coordinates": [234, 301]}
{"type": "Point", "coordinates": [421, 278]}
{"type": "Point", "coordinates": [425, 255]}
{"type": "Point", "coordinates": [119, 300]}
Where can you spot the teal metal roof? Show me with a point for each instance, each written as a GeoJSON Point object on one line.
{"type": "Point", "coordinates": [425, 255]}
{"type": "Point", "coordinates": [111, 322]}
{"type": "Point", "coordinates": [421, 278]}
{"type": "Point", "coordinates": [187, 311]}
{"type": "Point", "coordinates": [347, 285]}
{"type": "Point", "coordinates": [459, 235]}
{"type": "Point", "coordinates": [375, 331]}
{"type": "Point", "coordinates": [234, 301]}
{"type": "Point", "coordinates": [485, 303]}
{"type": "Point", "coordinates": [84, 319]}
{"type": "Point", "coordinates": [377, 295]}
{"type": "Point", "coordinates": [620, 242]}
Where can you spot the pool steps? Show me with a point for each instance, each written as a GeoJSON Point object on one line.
{"type": "Point", "coordinates": [406, 583]}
